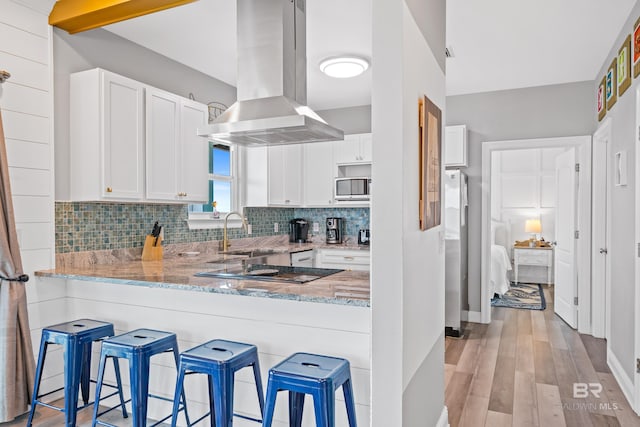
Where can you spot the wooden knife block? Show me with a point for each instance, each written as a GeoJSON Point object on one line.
{"type": "Point", "coordinates": [150, 252]}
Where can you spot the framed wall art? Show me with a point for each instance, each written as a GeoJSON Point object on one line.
{"type": "Point", "coordinates": [610, 85]}
{"type": "Point", "coordinates": [430, 149]}
{"type": "Point", "coordinates": [636, 49]}
{"type": "Point", "coordinates": [624, 66]}
{"type": "Point", "coordinates": [601, 107]}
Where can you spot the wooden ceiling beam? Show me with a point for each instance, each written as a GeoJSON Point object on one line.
{"type": "Point", "coordinates": [75, 16]}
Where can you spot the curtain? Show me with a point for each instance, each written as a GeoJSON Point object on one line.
{"type": "Point", "coordinates": [16, 351]}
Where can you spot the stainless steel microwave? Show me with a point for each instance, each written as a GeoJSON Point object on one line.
{"type": "Point", "coordinates": [358, 188]}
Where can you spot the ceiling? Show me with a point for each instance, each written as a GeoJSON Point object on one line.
{"type": "Point", "coordinates": [202, 35]}
{"type": "Point", "coordinates": [497, 44]}
{"type": "Point", "coordinates": [506, 44]}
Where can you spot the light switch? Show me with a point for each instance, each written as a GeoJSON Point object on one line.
{"type": "Point", "coordinates": [316, 227]}
{"type": "Point", "coordinates": [276, 227]}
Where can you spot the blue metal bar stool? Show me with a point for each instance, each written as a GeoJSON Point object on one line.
{"type": "Point", "coordinates": [319, 376]}
{"type": "Point", "coordinates": [219, 360]}
{"type": "Point", "coordinates": [137, 347]}
{"type": "Point", "coordinates": [76, 338]}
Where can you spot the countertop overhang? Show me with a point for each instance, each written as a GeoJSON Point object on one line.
{"type": "Point", "coordinates": [178, 272]}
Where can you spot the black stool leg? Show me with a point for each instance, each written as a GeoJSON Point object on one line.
{"type": "Point", "coordinates": [36, 386]}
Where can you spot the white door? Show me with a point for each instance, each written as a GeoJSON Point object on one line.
{"type": "Point", "coordinates": [565, 287]}
{"type": "Point", "coordinates": [599, 264]}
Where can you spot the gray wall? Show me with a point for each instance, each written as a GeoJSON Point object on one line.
{"type": "Point", "coordinates": [622, 200]}
{"type": "Point", "coordinates": [100, 48]}
{"type": "Point", "coordinates": [350, 119]}
{"type": "Point", "coordinates": [430, 15]}
{"type": "Point", "coordinates": [539, 112]}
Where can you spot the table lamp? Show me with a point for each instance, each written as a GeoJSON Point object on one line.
{"type": "Point", "coordinates": [533, 226]}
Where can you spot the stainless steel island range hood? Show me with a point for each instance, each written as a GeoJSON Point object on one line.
{"type": "Point", "coordinates": [272, 80]}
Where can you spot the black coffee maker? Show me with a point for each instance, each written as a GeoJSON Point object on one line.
{"type": "Point", "coordinates": [298, 230]}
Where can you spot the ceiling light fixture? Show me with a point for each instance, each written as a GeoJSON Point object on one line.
{"type": "Point", "coordinates": [343, 67]}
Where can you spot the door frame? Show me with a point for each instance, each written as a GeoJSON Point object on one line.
{"type": "Point", "coordinates": [601, 292]}
{"type": "Point", "coordinates": [583, 253]}
{"type": "Point", "coordinates": [636, 402]}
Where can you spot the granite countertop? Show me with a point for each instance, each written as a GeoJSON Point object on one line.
{"type": "Point", "coordinates": [177, 272]}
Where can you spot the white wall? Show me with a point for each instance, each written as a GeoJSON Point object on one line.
{"type": "Point", "coordinates": [528, 113]}
{"type": "Point", "coordinates": [26, 100]}
{"type": "Point", "coordinates": [407, 272]}
{"type": "Point", "coordinates": [622, 199]}
{"type": "Point", "coordinates": [523, 187]}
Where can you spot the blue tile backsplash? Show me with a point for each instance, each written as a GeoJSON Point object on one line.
{"type": "Point", "coordinates": [355, 218]}
{"type": "Point", "coordinates": [88, 226]}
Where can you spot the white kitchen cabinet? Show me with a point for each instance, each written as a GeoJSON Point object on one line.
{"type": "Point", "coordinates": [455, 142]}
{"type": "Point", "coordinates": [176, 158]}
{"type": "Point", "coordinates": [255, 171]}
{"type": "Point", "coordinates": [114, 145]}
{"type": "Point", "coordinates": [303, 258]}
{"type": "Point", "coordinates": [285, 175]}
{"type": "Point", "coordinates": [106, 137]}
{"type": "Point", "coordinates": [345, 259]}
{"type": "Point", "coordinates": [318, 174]}
{"type": "Point", "coordinates": [193, 152]}
{"type": "Point", "coordinates": [356, 148]}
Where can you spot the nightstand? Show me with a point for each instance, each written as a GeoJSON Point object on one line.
{"type": "Point", "coordinates": [539, 257]}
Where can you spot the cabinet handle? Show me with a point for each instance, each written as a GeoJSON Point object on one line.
{"type": "Point", "coordinates": [287, 201]}
{"type": "Point", "coordinates": [348, 258]}
{"type": "Point", "coordinates": [109, 190]}
{"type": "Point", "coordinates": [304, 259]}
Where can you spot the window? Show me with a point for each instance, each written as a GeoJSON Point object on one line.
{"type": "Point", "coordinates": [222, 182]}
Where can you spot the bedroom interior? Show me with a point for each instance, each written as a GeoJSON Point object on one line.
{"type": "Point", "coordinates": [523, 200]}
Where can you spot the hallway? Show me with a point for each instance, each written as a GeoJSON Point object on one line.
{"type": "Point", "coordinates": [520, 369]}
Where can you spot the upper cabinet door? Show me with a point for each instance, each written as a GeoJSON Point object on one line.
{"type": "Point", "coordinates": [366, 147]}
{"type": "Point", "coordinates": [455, 142]}
{"type": "Point", "coordinates": [285, 175]}
{"type": "Point", "coordinates": [355, 148]}
{"type": "Point", "coordinates": [163, 140]}
{"type": "Point", "coordinates": [318, 175]}
{"type": "Point", "coordinates": [194, 153]}
{"type": "Point", "coordinates": [123, 138]}
{"type": "Point", "coordinates": [177, 158]}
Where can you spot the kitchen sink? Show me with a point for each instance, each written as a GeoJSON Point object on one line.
{"type": "Point", "coordinates": [251, 253]}
{"type": "Point", "coordinates": [270, 273]}
{"type": "Point", "coordinates": [255, 256]}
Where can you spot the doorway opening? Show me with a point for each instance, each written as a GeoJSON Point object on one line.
{"type": "Point", "coordinates": [531, 165]}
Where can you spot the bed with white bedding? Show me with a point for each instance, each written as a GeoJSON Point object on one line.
{"type": "Point", "coordinates": [500, 260]}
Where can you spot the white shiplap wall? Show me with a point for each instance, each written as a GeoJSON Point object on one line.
{"type": "Point", "coordinates": [26, 100]}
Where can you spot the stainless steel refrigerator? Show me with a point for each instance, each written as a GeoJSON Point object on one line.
{"type": "Point", "coordinates": [456, 271]}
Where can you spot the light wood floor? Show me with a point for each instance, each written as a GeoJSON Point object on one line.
{"type": "Point", "coordinates": [519, 371]}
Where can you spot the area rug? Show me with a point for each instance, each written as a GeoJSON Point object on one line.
{"type": "Point", "coordinates": [527, 296]}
